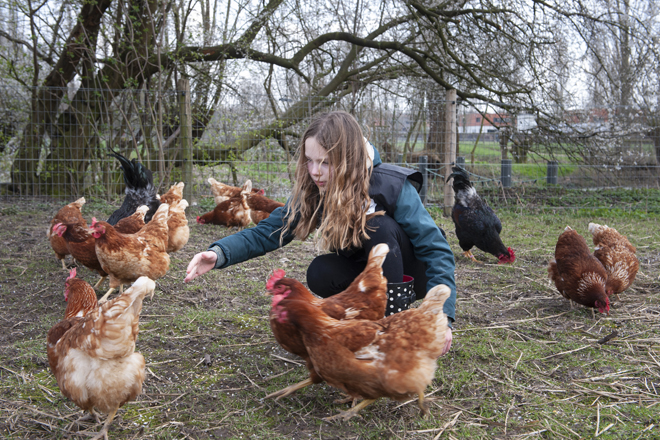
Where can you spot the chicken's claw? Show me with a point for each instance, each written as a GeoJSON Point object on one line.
{"type": "Point", "coordinates": [423, 404]}
{"type": "Point", "coordinates": [347, 415]}
{"type": "Point", "coordinates": [469, 255]}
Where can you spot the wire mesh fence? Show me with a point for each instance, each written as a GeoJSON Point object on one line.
{"type": "Point", "coordinates": [54, 144]}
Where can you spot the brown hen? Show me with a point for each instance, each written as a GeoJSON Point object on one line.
{"type": "Point", "coordinates": [617, 255]}
{"type": "Point", "coordinates": [93, 358]}
{"type": "Point", "coordinates": [365, 298]}
{"type": "Point", "coordinates": [178, 231]}
{"type": "Point", "coordinates": [72, 227]}
{"type": "Point", "coordinates": [222, 192]}
{"type": "Point", "coordinates": [232, 212]}
{"type": "Point", "coordinates": [577, 274]}
{"type": "Point", "coordinates": [126, 257]}
{"type": "Point", "coordinates": [394, 357]}
{"type": "Point", "coordinates": [58, 243]}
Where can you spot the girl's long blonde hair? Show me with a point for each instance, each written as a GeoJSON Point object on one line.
{"type": "Point", "coordinates": [344, 203]}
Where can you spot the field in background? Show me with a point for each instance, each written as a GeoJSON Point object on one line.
{"type": "Point", "coordinates": [524, 365]}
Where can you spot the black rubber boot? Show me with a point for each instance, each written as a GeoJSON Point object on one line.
{"type": "Point", "coordinates": [400, 295]}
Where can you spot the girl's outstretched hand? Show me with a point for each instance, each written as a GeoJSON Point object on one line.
{"type": "Point", "coordinates": [200, 264]}
{"type": "Point", "coordinates": [448, 339]}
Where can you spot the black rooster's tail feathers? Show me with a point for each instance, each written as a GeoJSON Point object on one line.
{"type": "Point", "coordinates": [140, 189]}
{"type": "Point", "coordinates": [136, 175]}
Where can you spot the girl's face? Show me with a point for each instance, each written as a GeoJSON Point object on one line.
{"type": "Point", "coordinates": [317, 162]}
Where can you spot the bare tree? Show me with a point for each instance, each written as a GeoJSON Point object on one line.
{"type": "Point", "coordinates": [315, 54]}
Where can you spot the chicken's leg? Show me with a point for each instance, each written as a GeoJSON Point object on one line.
{"type": "Point", "coordinates": [469, 255]}
{"type": "Point", "coordinates": [290, 389]}
{"type": "Point", "coordinates": [347, 399]}
{"type": "Point", "coordinates": [99, 282]}
{"type": "Point", "coordinates": [104, 431]}
{"type": "Point", "coordinates": [107, 294]}
{"type": "Point", "coordinates": [346, 415]}
{"type": "Point", "coordinates": [423, 403]}
{"type": "Point", "coordinates": [64, 264]}
{"type": "Point", "coordinates": [89, 416]}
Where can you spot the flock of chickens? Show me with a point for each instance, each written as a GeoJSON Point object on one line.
{"type": "Point", "coordinates": [345, 340]}
{"type": "Point", "coordinates": [238, 206]}
{"type": "Point", "coordinates": [579, 276]}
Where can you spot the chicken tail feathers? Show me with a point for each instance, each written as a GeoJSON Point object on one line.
{"type": "Point", "coordinates": [377, 255]}
{"type": "Point", "coordinates": [116, 322]}
{"type": "Point", "coordinates": [136, 175]}
{"type": "Point", "coordinates": [435, 299]}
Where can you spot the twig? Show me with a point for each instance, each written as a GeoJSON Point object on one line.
{"type": "Point", "coordinates": [609, 337]}
{"type": "Point", "coordinates": [565, 352]}
{"type": "Point", "coordinates": [449, 424]}
{"type": "Point", "coordinates": [285, 359]}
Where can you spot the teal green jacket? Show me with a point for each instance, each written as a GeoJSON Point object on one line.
{"type": "Point", "coordinates": [430, 245]}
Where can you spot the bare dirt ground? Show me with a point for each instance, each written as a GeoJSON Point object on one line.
{"type": "Point", "coordinates": [523, 365]}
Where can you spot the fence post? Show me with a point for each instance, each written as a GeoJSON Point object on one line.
{"type": "Point", "coordinates": [399, 158]}
{"type": "Point", "coordinates": [553, 172]}
{"type": "Point", "coordinates": [506, 173]}
{"type": "Point", "coordinates": [423, 166]}
{"type": "Point", "coordinates": [460, 162]}
{"type": "Point", "coordinates": [183, 86]}
{"type": "Point", "coordinates": [450, 150]}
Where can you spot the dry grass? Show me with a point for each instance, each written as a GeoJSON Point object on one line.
{"type": "Point", "coordinates": [524, 365]}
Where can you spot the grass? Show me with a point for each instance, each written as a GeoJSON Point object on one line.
{"type": "Point", "coordinates": [524, 365]}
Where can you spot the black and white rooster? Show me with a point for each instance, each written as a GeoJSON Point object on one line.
{"type": "Point", "coordinates": [140, 190]}
{"type": "Point", "coordinates": [476, 223]}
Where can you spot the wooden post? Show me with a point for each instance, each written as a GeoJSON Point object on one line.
{"type": "Point", "coordinates": [450, 151]}
{"type": "Point", "coordinates": [185, 113]}
{"type": "Point", "coordinates": [423, 166]}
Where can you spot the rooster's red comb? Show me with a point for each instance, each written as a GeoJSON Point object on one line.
{"type": "Point", "coordinates": [72, 274]}
{"type": "Point", "coordinates": [277, 275]}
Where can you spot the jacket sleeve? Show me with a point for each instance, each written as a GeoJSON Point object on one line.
{"type": "Point", "coordinates": [254, 242]}
{"type": "Point", "coordinates": [430, 245]}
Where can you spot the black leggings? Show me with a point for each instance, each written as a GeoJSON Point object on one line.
{"type": "Point", "coordinates": [330, 274]}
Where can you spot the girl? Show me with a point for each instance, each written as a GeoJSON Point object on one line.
{"type": "Point", "coordinates": [340, 180]}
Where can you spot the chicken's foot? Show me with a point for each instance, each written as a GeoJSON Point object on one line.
{"type": "Point", "coordinates": [104, 431]}
{"type": "Point", "coordinates": [347, 399]}
{"type": "Point", "coordinates": [99, 282]}
{"type": "Point", "coordinates": [469, 255]}
{"type": "Point", "coordinates": [423, 403]}
{"type": "Point", "coordinates": [290, 389]}
{"type": "Point", "coordinates": [88, 416]}
{"type": "Point", "coordinates": [64, 265]}
{"type": "Point", "coordinates": [346, 415]}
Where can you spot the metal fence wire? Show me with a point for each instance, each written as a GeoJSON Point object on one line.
{"type": "Point", "coordinates": [54, 143]}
